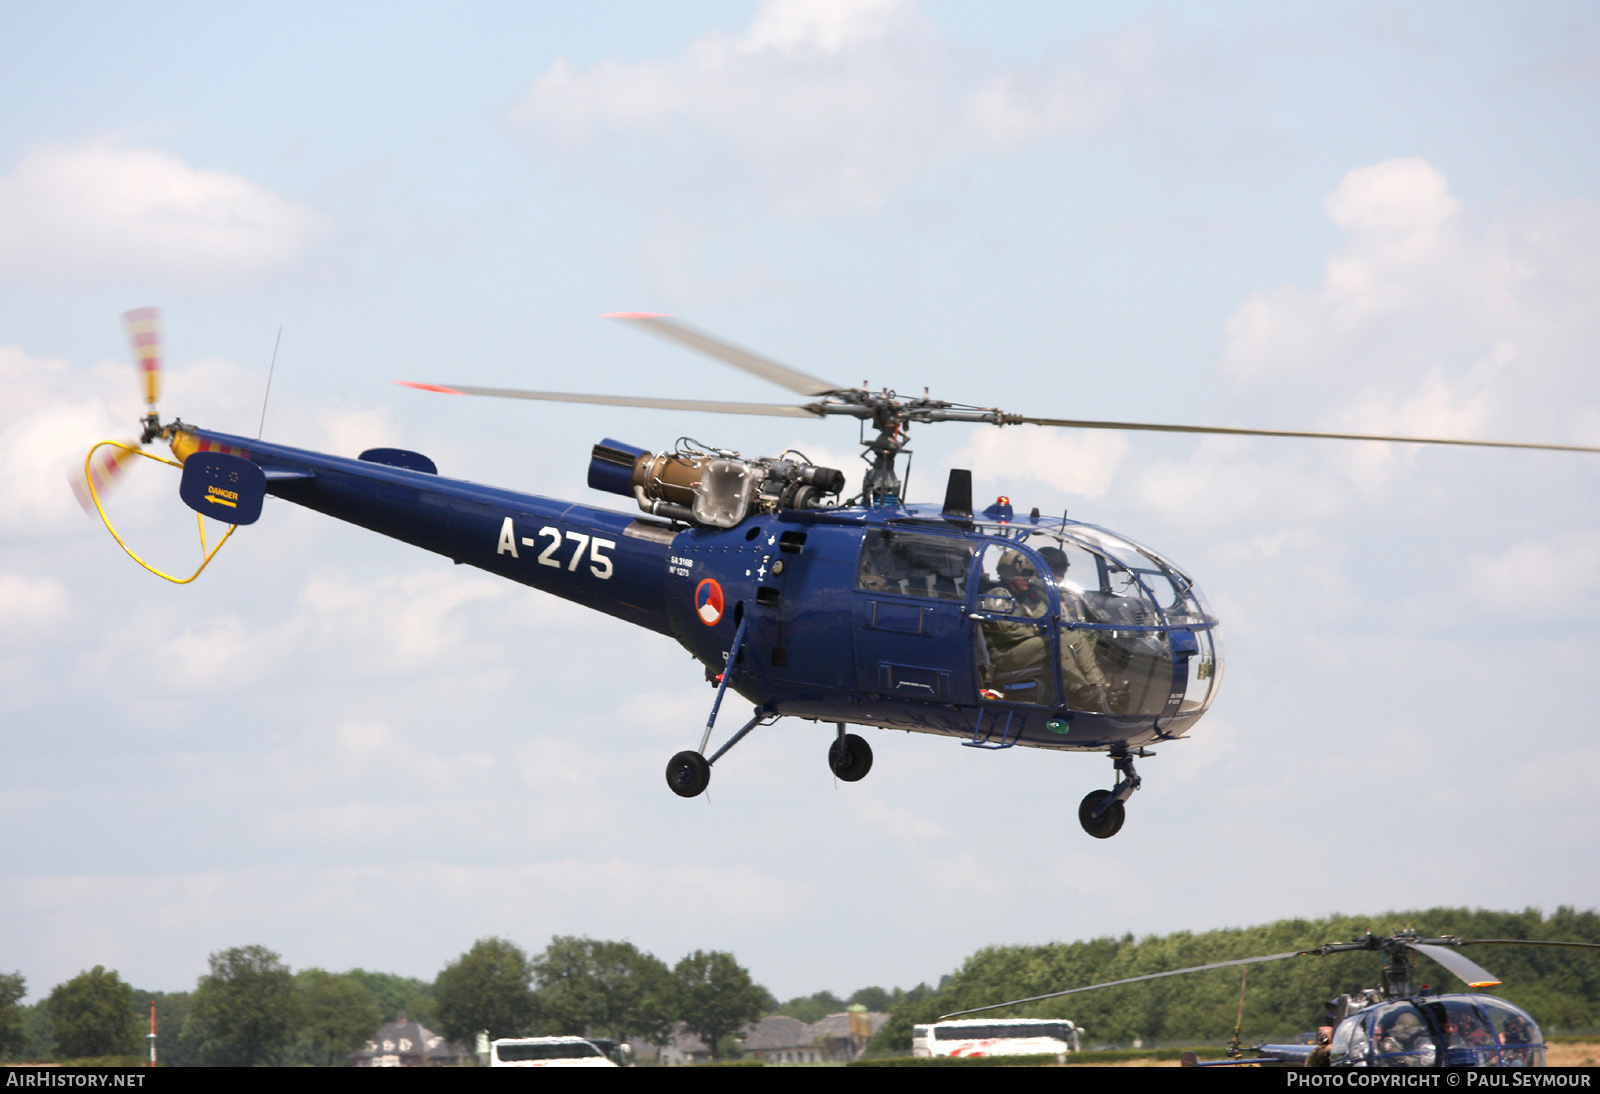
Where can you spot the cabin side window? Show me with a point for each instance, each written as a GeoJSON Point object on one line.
{"type": "Point", "coordinates": [907, 564]}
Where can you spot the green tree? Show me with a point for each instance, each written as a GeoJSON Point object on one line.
{"type": "Point", "coordinates": [610, 989]}
{"type": "Point", "coordinates": [716, 996]}
{"type": "Point", "coordinates": [243, 1013]}
{"type": "Point", "coordinates": [486, 988]}
{"type": "Point", "coordinates": [872, 998]}
{"type": "Point", "coordinates": [13, 1030]}
{"type": "Point", "coordinates": [812, 1008]}
{"type": "Point", "coordinates": [337, 1016]}
{"type": "Point", "coordinates": [399, 995]}
{"type": "Point", "coordinates": [92, 1015]}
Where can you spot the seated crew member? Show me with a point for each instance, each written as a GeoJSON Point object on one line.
{"type": "Point", "coordinates": [1087, 688]}
{"type": "Point", "coordinates": [1015, 647]}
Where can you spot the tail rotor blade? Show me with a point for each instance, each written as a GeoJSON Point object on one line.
{"type": "Point", "coordinates": [105, 469]}
{"type": "Point", "coordinates": [144, 334]}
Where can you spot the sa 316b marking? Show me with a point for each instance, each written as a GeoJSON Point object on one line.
{"type": "Point", "coordinates": [599, 561]}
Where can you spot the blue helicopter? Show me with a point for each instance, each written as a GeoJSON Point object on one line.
{"type": "Point", "coordinates": [996, 629]}
{"type": "Point", "coordinates": [1403, 1023]}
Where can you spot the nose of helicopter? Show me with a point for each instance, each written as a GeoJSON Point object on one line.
{"type": "Point", "coordinates": [1136, 631]}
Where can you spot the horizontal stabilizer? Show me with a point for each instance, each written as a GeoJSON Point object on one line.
{"type": "Point", "coordinates": [399, 457]}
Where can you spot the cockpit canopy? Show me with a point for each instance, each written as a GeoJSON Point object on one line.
{"type": "Point", "coordinates": [1129, 630]}
{"type": "Point", "coordinates": [1442, 1031]}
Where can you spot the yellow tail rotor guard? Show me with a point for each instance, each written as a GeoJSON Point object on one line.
{"type": "Point", "coordinates": [95, 495]}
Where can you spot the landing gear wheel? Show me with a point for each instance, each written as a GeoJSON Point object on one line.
{"type": "Point", "coordinates": [688, 774]}
{"type": "Point", "coordinates": [1110, 822]}
{"type": "Point", "coordinates": [850, 758]}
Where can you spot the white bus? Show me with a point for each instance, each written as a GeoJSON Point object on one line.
{"type": "Point", "coordinates": [546, 1052]}
{"type": "Point", "coordinates": [996, 1037]}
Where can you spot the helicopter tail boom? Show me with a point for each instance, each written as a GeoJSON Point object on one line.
{"type": "Point", "coordinates": [595, 557]}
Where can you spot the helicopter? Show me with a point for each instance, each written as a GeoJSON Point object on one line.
{"type": "Point", "coordinates": [998, 629]}
{"type": "Point", "coordinates": [1403, 1023]}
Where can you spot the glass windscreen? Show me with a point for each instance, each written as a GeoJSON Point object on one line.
{"type": "Point", "coordinates": [1127, 611]}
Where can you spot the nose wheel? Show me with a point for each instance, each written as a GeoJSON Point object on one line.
{"type": "Point", "coordinates": [1102, 812]}
{"type": "Point", "coordinates": [1101, 823]}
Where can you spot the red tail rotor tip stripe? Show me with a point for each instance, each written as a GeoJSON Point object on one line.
{"type": "Point", "coordinates": [635, 315]}
{"type": "Point", "coordinates": [440, 388]}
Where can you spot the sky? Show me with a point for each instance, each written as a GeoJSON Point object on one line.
{"type": "Point", "coordinates": [1335, 217]}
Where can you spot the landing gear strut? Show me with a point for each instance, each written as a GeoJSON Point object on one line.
{"type": "Point", "coordinates": [849, 757]}
{"type": "Point", "coordinates": [1102, 812]}
{"type": "Point", "coordinates": [689, 772]}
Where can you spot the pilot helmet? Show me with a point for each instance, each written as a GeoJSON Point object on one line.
{"type": "Point", "coordinates": [1056, 559]}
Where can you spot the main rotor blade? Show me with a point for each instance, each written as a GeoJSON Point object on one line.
{"type": "Point", "coordinates": [1471, 973]}
{"type": "Point", "coordinates": [1129, 980]}
{"type": "Point", "coordinates": [1151, 427]}
{"type": "Point", "coordinates": [1526, 942]}
{"type": "Point", "coordinates": [665, 326]}
{"type": "Point", "coordinates": [770, 409]}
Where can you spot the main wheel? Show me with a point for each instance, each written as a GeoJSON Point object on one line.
{"type": "Point", "coordinates": [1110, 822]}
{"type": "Point", "coordinates": [850, 758]}
{"type": "Point", "coordinates": [688, 774]}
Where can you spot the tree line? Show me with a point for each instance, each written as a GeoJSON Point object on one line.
{"type": "Point", "coordinates": [1560, 988]}
{"type": "Point", "coordinates": [248, 1009]}
{"type": "Point", "coordinates": [251, 1009]}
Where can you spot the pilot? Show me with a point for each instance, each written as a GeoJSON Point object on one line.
{"type": "Point", "coordinates": [1015, 649]}
{"type": "Point", "coordinates": [1517, 1031]}
{"type": "Point", "coordinates": [1400, 1030]}
{"type": "Point", "coordinates": [1019, 578]}
{"type": "Point", "coordinates": [1517, 1038]}
{"type": "Point", "coordinates": [1087, 688]}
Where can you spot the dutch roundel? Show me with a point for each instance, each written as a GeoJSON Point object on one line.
{"type": "Point", "coordinates": [708, 602]}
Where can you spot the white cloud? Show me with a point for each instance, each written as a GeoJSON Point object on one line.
{"type": "Point", "coordinates": [96, 211]}
{"type": "Point", "coordinates": [31, 605]}
{"type": "Point", "coordinates": [1083, 464]}
{"type": "Point", "coordinates": [1403, 238]}
{"type": "Point", "coordinates": [896, 821]}
{"type": "Point", "coordinates": [1427, 320]}
{"type": "Point", "coordinates": [349, 431]}
{"type": "Point", "coordinates": [1540, 579]}
{"type": "Point", "coordinates": [398, 624]}
{"type": "Point", "coordinates": [827, 105]}
{"type": "Point", "coordinates": [211, 655]}
{"type": "Point", "coordinates": [50, 416]}
{"type": "Point", "coordinates": [1399, 208]}
{"type": "Point", "coordinates": [1431, 319]}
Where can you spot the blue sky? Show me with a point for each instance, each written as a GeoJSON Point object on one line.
{"type": "Point", "coordinates": [1337, 217]}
